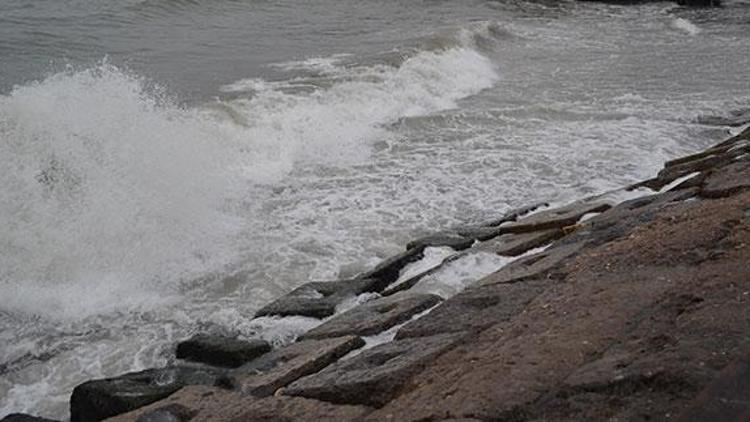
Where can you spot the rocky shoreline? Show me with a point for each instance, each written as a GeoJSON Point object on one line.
{"type": "Point", "coordinates": [631, 305]}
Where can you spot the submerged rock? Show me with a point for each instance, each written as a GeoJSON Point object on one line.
{"type": "Point", "coordinates": [99, 399]}
{"type": "Point", "coordinates": [221, 351]}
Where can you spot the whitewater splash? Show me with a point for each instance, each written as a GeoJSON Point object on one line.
{"type": "Point", "coordinates": [684, 25]}
{"type": "Point", "coordinates": [113, 189]}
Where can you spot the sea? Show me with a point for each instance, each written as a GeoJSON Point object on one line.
{"type": "Point", "coordinates": [168, 167]}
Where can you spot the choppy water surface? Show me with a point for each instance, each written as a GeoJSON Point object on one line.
{"type": "Point", "coordinates": [169, 166]}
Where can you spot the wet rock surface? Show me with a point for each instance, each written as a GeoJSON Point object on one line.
{"type": "Point", "coordinates": [474, 309]}
{"type": "Point", "coordinates": [317, 299]}
{"type": "Point", "coordinates": [517, 244]}
{"type": "Point", "coordinates": [375, 316]}
{"type": "Point", "coordinates": [220, 351]}
{"type": "Point", "coordinates": [99, 399]}
{"type": "Point", "coordinates": [210, 404]}
{"type": "Point", "coordinates": [555, 218]}
{"type": "Point", "coordinates": [268, 373]}
{"type": "Point", "coordinates": [374, 376]}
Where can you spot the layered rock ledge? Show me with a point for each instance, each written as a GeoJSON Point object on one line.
{"type": "Point", "coordinates": [625, 310]}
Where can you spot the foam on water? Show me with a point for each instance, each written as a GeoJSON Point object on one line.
{"type": "Point", "coordinates": [685, 26]}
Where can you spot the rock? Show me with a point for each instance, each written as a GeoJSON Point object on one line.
{"type": "Point", "coordinates": [539, 265]}
{"type": "Point", "coordinates": [724, 399]}
{"type": "Point", "coordinates": [375, 316]}
{"type": "Point", "coordinates": [388, 271]}
{"type": "Point", "coordinates": [473, 310]}
{"type": "Point", "coordinates": [266, 374]}
{"type": "Point", "coordinates": [619, 221]}
{"type": "Point", "coordinates": [555, 218]}
{"type": "Point", "coordinates": [99, 399]}
{"type": "Point", "coordinates": [674, 290]}
{"type": "Point", "coordinates": [211, 404]}
{"type": "Point", "coordinates": [22, 417]}
{"type": "Point", "coordinates": [513, 214]}
{"type": "Point", "coordinates": [374, 376]}
{"type": "Point", "coordinates": [449, 239]}
{"type": "Point", "coordinates": [727, 180]}
{"type": "Point", "coordinates": [317, 299]}
{"type": "Point", "coordinates": [168, 413]}
{"type": "Point", "coordinates": [517, 244]}
{"type": "Point", "coordinates": [220, 350]}
{"type": "Point", "coordinates": [409, 283]}
{"type": "Point", "coordinates": [480, 233]}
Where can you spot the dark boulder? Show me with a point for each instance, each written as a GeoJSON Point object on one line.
{"type": "Point", "coordinates": [221, 351]}
{"type": "Point", "coordinates": [99, 399]}
{"type": "Point", "coordinates": [22, 417]}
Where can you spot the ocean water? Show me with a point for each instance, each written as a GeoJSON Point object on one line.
{"type": "Point", "coordinates": [169, 166]}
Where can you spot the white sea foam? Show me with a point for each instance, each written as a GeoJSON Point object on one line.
{"type": "Point", "coordinates": [115, 193]}
{"type": "Point", "coordinates": [684, 25]}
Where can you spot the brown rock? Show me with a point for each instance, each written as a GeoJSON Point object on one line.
{"type": "Point", "coordinates": [727, 180]}
{"type": "Point", "coordinates": [727, 398]}
{"type": "Point", "coordinates": [634, 329]}
{"type": "Point", "coordinates": [375, 316]}
{"type": "Point", "coordinates": [374, 376]}
{"type": "Point", "coordinates": [268, 373]}
{"type": "Point", "coordinates": [211, 404]}
{"type": "Point", "coordinates": [555, 218]}
{"type": "Point", "coordinates": [474, 310]}
{"type": "Point", "coordinates": [516, 244]}
{"type": "Point", "coordinates": [540, 265]}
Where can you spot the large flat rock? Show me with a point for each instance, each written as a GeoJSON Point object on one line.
{"type": "Point", "coordinates": [99, 399]}
{"type": "Point", "coordinates": [540, 265]}
{"type": "Point", "coordinates": [317, 299]}
{"type": "Point", "coordinates": [555, 218]}
{"type": "Point", "coordinates": [374, 376]}
{"type": "Point", "coordinates": [211, 404]}
{"type": "Point", "coordinates": [517, 244]}
{"type": "Point", "coordinates": [375, 316]}
{"type": "Point", "coordinates": [221, 351]}
{"type": "Point", "coordinates": [727, 180]}
{"type": "Point", "coordinates": [268, 373]}
{"type": "Point", "coordinates": [474, 310]}
{"type": "Point", "coordinates": [445, 238]}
